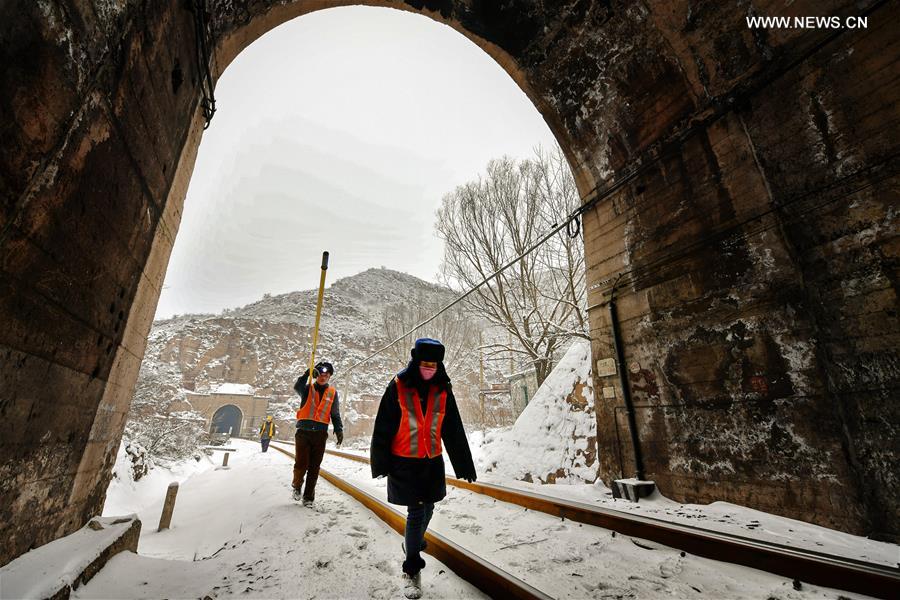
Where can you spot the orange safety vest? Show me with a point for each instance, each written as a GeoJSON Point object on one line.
{"type": "Point", "coordinates": [270, 425]}
{"type": "Point", "coordinates": [419, 436]}
{"type": "Point", "coordinates": [318, 406]}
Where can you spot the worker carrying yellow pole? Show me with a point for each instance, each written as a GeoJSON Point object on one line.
{"type": "Point", "coordinates": [318, 407]}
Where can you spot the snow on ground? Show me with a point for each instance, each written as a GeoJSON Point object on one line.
{"type": "Point", "coordinates": [551, 434]}
{"type": "Point", "coordinates": [125, 495]}
{"type": "Point", "coordinates": [572, 560]}
{"type": "Point", "coordinates": [236, 532]}
{"type": "Point", "coordinates": [725, 517]}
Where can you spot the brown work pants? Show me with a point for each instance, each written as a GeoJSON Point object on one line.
{"type": "Point", "coordinates": [309, 448]}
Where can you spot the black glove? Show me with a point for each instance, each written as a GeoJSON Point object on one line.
{"type": "Point", "coordinates": [315, 373]}
{"type": "Point", "coordinates": [340, 437]}
{"type": "Point", "coordinates": [470, 477]}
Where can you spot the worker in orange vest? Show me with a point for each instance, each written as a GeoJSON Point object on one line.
{"type": "Point", "coordinates": [318, 407]}
{"type": "Point", "coordinates": [416, 418]}
{"type": "Point", "coordinates": [267, 432]}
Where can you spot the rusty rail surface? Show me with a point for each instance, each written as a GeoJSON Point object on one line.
{"type": "Point", "coordinates": [490, 579]}
{"type": "Point", "coordinates": [803, 565]}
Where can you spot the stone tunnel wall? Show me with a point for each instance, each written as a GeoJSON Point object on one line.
{"type": "Point", "coordinates": [756, 235]}
{"type": "Point", "coordinates": [94, 134]}
{"type": "Point", "coordinates": [758, 253]}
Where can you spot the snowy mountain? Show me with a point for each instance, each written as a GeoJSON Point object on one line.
{"type": "Point", "coordinates": [266, 345]}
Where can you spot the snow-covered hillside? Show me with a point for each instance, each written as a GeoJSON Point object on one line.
{"type": "Point", "coordinates": [554, 439]}
{"type": "Point", "coordinates": [265, 345]}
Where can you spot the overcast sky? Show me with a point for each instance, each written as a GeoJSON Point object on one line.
{"type": "Point", "coordinates": [340, 130]}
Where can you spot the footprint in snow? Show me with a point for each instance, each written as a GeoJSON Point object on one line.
{"type": "Point", "coordinates": [385, 566]}
{"type": "Point", "coordinates": [475, 529]}
{"type": "Point", "coordinates": [381, 591]}
{"type": "Point", "coordinates": [670, 567]}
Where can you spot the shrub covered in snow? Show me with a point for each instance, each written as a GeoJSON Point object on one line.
{"type": "Point", "coordinates": [155, 432]}
{"type": "Point", "coordinates": [137, 455]}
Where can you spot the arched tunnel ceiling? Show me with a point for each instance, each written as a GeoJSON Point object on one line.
{"type": "Point", "coordinates": [744, 185]}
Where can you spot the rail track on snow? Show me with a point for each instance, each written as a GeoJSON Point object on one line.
{"type": "Point", "coordinates": [487, 577]}
{"type": "Point", "coordinates": [804, 565]}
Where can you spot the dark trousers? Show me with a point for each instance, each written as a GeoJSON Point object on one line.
{"type": "Point", "coordinates": [309, 448]}
{"type": "Point", "coordinates": [265, 443]}
{"type": "Point", "coordinates": [417, 518]}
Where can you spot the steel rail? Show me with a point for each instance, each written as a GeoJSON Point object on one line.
{"type": "Point", "coordinates": [490, 579]}
{"type": "Point", "coordinates": [804, 565]}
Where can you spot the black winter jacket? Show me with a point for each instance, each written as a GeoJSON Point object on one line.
{"type": "Point", "coordinates": [417, 480]}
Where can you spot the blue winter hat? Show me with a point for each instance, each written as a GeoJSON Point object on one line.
{"type": "Point", "coordinates": [428, 349]}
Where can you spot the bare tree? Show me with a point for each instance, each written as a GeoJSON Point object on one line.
{"type": "Point", "coordinates": [459, 331]}
{"type": "Point", "coordinates": [486, 223]}
{"type": "Point", "coordinates": [454, 328]}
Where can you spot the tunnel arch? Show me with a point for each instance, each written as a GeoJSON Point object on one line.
{"type": "Point", "coordinates": [782, 323]}
{"type": "Point", "coordinates": [229, 419]}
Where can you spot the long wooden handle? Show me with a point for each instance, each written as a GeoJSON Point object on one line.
{"type": "Point", "coordinates": [315, 340]}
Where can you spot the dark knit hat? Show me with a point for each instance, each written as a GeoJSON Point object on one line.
{"type": "Point", "coordinates": [325, 367]}
{"type": "Point", "coordinates": [428, 349]}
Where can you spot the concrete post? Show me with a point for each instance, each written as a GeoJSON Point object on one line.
{"type": "Point", "coordinates": [165, 519]}
{"type": "Point", "coordinates": [225, 459]}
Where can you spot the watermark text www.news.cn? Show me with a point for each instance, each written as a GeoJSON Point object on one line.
{"type": "Point", "coordinates": [760, 22]}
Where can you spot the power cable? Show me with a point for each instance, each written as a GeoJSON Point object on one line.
{"type": "Point", "coordinates": [669, 258]}
{"type": "Point", "coordinates": [556, 228]}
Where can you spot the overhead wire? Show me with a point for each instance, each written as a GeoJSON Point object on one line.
{"type": "Point", "coordinates": [668, 258]}
{"type": "Point", "coordinates": [669, 147]}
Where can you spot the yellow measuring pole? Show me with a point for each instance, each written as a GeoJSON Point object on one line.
{"type": "Point", "coordinates": [315, 340]}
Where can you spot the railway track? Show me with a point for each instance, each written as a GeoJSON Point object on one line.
{"type": "Point", "coordinates": [800, 564]}
{"type": "Point", "coordinates": [487, 577]}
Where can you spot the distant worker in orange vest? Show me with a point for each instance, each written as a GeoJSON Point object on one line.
{"type": "Point", "coordinates": [416, 417]}
{"type": "Point", "coordinates": [319, 406]}
{"type": "Point", "coordinates": [267, 432]}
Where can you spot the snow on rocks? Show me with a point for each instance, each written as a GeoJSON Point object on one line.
{"type": "Point", "coordinates": [553, 440]}
{"type": "Point", "coordinates": [237, 389]}
{"type": "Point", "coordinates": [66, 562]}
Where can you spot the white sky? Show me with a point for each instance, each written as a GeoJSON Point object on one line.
{"type": "Point", "coordinates": [340, 130]}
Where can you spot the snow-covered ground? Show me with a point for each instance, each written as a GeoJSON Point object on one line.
{"type": "Point", "coordinates": [717, 516]}
{"type": "Point", "coordinates": [51, 568]}
{"type": "Point", "coordinates": [125, 495]}
{"type": "Point", "coordinates": [235, 532]}
{"type": "Point", "coordinates": [571, 560]}
{"type": "Point", "coordinates": [550, 437]}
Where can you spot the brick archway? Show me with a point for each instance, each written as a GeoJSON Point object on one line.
{"type": "Point", "coordinates": [747, 184]}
